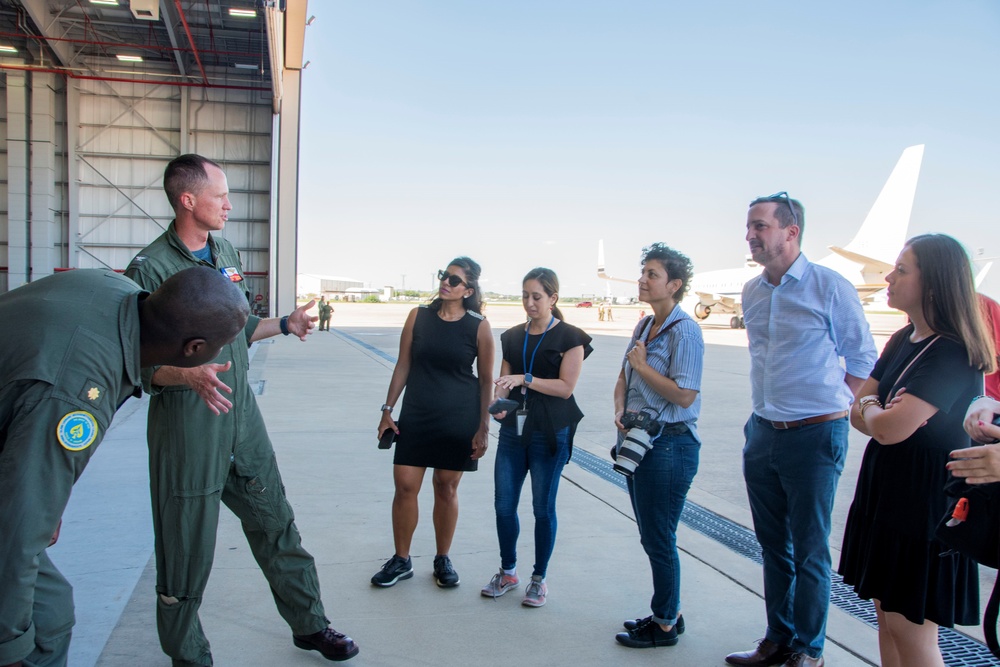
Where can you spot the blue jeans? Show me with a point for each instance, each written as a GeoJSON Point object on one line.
{"type": "Point", "coordinates": [791, 478]}
{"type": "Point", "coordinates": [658, 490]}
{"type": "Point", "coordinates": [514, 462]}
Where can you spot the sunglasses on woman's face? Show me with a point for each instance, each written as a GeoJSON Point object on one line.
{"type": "Point", "coordinates": [451, 279]}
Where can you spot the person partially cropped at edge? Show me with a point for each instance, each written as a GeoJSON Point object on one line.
{"type": "Point", "coordinates": [541, 364]}
{"type": "Point", "coordinates": [913, 406]}
{"type": "Point", "coordinates": [661, 376]}
{"type": "Point", "coordinates": [444, 422]}
{"type": "Point", "coordinates": [91, 332]}
{"type": "Point", "coordinates": [201, 458]}
{"type": "Point", "coordinates": [801, 319]}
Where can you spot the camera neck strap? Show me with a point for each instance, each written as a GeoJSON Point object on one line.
{"type": "Point", "coordinates": [647, 328]}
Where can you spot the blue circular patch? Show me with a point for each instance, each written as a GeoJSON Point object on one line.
{"type": "Point", "coordinates": [77, 430]}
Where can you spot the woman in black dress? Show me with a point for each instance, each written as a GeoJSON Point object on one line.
{"type": "Point", "coordinates": [913, 406]}
{"type": "Point", "coordinates": [444, 422]}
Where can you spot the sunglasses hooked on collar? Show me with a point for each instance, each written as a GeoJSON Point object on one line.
{"type": "Point", "coordinates": [779, 197]}
{"type": "Point", "coordinates": [451, 279]}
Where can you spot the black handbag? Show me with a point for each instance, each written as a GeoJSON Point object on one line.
{"type": "Point", "coordinates": [975, 532]}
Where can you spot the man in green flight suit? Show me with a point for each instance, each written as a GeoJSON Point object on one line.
{"type": "Point", "coordinates": [325, 313]}
{"type": "Point", "coordinates": [198, 460]}
{"type": "Point", "coordinates": [90, 332]}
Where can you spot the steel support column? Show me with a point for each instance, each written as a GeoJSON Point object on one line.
{"type": "Point", "coordinates": [44, 228]}
{"type": "Point", "coordinates": [18, 205]}
{"type": "Point", "coordinates": [284, 227]}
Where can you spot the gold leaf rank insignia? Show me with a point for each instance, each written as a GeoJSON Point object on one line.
{"type": "Point", "coordinates": [93, 393]}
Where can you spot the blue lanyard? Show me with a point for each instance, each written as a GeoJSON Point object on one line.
{"type": "Point", "coordinates": [524, 351]}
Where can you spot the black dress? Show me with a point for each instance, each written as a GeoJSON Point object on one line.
{"type": "Point", "coordinates": [441, 407]}
{"type": "Point", "coordinates": [889, 550]}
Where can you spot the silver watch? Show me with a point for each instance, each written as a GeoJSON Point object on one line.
{"type": "Point", "coordinates": [386, 406]}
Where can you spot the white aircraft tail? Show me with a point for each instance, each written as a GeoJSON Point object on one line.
{"type": "Point", "coordinates": [874, 249]}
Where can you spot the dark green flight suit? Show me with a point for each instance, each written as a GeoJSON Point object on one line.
{"type": "Point", "coordinates": [197, 460]}
{"type": "Point", "coordinates": [325, 311]}
{"type": "Point", "coordinates": [69, 357]}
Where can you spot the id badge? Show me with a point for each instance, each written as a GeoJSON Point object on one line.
{"type": "Point", "coordinates": [522, 416]}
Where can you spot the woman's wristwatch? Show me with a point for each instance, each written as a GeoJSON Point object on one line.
{"type": "Point", "coordinates": [386, 408]}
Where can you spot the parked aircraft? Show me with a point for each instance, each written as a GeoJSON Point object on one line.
{"type": "Point", "coordinates": [864, 261]}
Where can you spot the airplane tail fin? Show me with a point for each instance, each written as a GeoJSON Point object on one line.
{"type": "Point", "coordinates": [982, 273]}
{"type": "Point", "coordinates": [883, 233]}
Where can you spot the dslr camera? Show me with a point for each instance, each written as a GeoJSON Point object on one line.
{"type": "Point", "coordinates": [642, 428]}
{"type": "Point", "coordinates": [642, 421]}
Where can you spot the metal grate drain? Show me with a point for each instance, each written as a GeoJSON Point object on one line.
{"type": "Point", "coordinates": [958, 649]}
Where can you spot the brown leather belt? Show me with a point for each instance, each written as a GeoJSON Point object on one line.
{"type": "Point", "coordinates": [819, 419]}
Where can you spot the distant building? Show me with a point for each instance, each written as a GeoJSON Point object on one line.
{"type": "Point", "coordinates": [332, 287]}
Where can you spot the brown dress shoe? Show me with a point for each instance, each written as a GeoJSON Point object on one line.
{"type": "Point", "coordinates": [766, 654]}
{"type": "Point", "coordinates": [803, 660]}
{"type": "Point", "coordinates": [330, 643]}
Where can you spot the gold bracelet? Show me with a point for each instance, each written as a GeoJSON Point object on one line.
{"type": "Point", "coordinates": [866, 402]}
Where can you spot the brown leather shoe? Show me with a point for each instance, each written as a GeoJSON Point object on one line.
{"type": "Point", "coordinates": [330, 643]}
{"type": "Point", "coordinates": [766, 654]}
{"type": "Point", "coordinates": [803, 660]}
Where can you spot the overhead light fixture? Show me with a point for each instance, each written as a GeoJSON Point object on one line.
{"type": "Point", "coordinates": [7, 49]}
{"type": "Point", "coordinates": [311, 19]}
{"type": "Point", "coordinates": [129, 59]}
{"type": "Point", "coordinates": [104, 2]}
{"type": "Point", "coordinates": [145, 10]}
{"type": "Point", "coordinates": [243, 13]}
{"type": "Point", "coordinates": [245, 66]}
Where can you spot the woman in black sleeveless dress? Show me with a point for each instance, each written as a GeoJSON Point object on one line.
{"type": "Point", "coordinates": [443, 423]}
{"type": "Point", "coordinates": [913, 406]}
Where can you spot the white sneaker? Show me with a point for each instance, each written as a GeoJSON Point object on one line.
{"type": "Point", "coordinates": [534, 594]}
{"type": "Point", "coordinates": [500, 584]}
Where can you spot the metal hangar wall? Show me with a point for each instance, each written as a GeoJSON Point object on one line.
{"type": "Point", "coordinates": [98, 95]}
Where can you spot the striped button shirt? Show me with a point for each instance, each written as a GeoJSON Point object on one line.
{"type": "Point", "coordinates": [678, 355]}
{"type": "Point", "coordinates": [799, 331]}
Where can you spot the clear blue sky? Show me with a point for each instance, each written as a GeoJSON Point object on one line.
{"type": "Point", "coordinates": [520, 133]}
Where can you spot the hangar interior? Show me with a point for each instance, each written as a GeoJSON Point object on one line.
{"type": "Point", "coordinates": [97, 96]}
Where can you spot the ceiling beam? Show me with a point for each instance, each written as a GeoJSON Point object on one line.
{"type": "Point", "coordinates": [170, 21]}
{"type": "Point", "coordinates": [39, 13]}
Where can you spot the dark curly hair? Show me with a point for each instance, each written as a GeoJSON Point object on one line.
{"type": "Point", "coordinates": [677, 265]}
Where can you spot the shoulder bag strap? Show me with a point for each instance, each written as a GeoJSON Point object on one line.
{"type": "Point", "coordinates": [908, 366]}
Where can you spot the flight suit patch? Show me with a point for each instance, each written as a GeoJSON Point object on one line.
{"type": "Point", "coordinates": [232, 273]}
{"type": "Point", "coordinates": [77, 430]}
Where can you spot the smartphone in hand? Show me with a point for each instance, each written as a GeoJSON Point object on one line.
{"type": "Point", "coordinates": [502, 405]}
{"type": "Point", "coordinates": [388, 437]}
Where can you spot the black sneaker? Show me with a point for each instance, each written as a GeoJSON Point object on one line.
{"type": "Point", "coordinates": [632, 625]}
{"type": "Point", "coordinates": [395, 569]}
{"type": "Point", "coordinates": [647, 635]}
{"type": "Point", "coordinates": [444, 573]}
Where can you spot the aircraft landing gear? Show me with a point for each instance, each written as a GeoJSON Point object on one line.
{"type": "Point", "coordinates": [736, 322]}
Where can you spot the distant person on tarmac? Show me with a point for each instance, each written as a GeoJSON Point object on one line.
{"type": "Point", "coordinates": [541, 364]}
{"type": "Point", "coordinates": [90, 332]}
{"type": "Point", "coordinates": [325, 313]}
{"type": "Point", "coordinates": [444, 422]}
{"type": "Point", "coordinates": [199, 460]}
{"type": "Point", "coordinates": [802, 319]}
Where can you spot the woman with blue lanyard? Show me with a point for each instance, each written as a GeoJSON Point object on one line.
{"type": "Point", "coordinates": [541, 364]}
{"type": "Point", "coordinates": [658, 397]}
